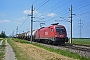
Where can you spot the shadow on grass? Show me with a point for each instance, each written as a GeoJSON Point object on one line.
{"type": "Point", "coordinates": [2, 46]}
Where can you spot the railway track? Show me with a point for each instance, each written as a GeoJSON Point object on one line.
{"type": "Point", "coordinates": [79, 47]}
{"type": "Point", "coordinates": [82, 46]}
{"type": "Point", "coordinates": [82, 50]}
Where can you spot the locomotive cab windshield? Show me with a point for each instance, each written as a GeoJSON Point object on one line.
{"type": "Point", "coordinates": [60, 30]}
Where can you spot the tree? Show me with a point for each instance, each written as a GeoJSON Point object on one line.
{"type": "Point", "coordinates": [3, 35]}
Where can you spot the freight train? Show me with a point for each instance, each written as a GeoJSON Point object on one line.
{"type": "Point", "coordinates": [54, 34]}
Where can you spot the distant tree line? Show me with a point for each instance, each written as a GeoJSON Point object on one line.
{"type": "Point", "coordinates": [3, 35]}
{"type": "Point", "coordinates": [81, 38]}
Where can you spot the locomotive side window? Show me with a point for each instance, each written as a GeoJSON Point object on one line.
{"type": "Point", "coordinates": [60, 30]}
{"type": "Point", "coordinates": [52, 30]}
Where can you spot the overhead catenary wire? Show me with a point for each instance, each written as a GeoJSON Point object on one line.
{"type": "Point", "coordinates": [81, 7]}
{"type": "Point", "coordinates": [52, 10]}
{"type": "Point", "coordinates": [75, 9]}
{"type": "Point", "coordinates": [23, 21]}
{"type": "Point", "coordinates": [61, 5]}
{"type": "Point", "coordinates": [58, 7]}
{"type": "Point", "coordinates": [54, 5]}
{"type": "Point", "coordinates": [42, 4]}
{"type": "Point", "coordinates": [82, 14]}
{"type": "Point", "coordinates": [34, 1]}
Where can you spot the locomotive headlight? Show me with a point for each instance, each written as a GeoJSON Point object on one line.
{"type": "Point", "coordinates": [56, 35]}
{"type": "Point", "coordinates": [61, 36]}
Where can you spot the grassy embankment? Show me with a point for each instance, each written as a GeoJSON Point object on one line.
{"type": "Point", "coordinates": [20, 54]}
{"type": "Point", "coordinates": [58, 51]}
{"type": "Point", "coordinates": [2, 49]}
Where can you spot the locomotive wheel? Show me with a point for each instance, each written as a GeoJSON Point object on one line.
{"type": "Point", "coordinates": [50, 42]}
{"type": "Point", "coordinates": [38, 40]}
{"type": "Point", "coordinates": [45, 41]}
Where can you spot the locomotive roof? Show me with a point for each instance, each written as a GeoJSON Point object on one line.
{"type": "Point", "coordinates": [56, 25]}
{"type": "Point", "coordinates": [53, 25]}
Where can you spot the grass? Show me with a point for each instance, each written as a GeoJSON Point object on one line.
{"type": "Point", "coordinates": [64, 52]}
{"type": "Point", "coordinates": [58, 51]}
{"type": "Point", "coordinates": [20, 54]}
{"type": "Point", "coordinates": [20, 40]}
{"type": "Point", "coordinates": [1, 39]}
{"type": "Point", "coordinates": [2, 50]}
{"type": "Point", "coordinates": [81, 41]}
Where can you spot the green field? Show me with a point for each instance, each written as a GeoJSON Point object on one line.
{"type": "Point", "coordinates": [83, 41]}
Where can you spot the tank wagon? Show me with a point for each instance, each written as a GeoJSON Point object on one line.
{"type": "Point", "coordinates": [22, 36]}
{"type": "Point", "coordinates": [27, 35]}
{"type": "Point", "coordinates": [54, 34]}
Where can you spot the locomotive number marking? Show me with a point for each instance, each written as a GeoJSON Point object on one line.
{"type": "Point", "coordinates": [46, 33]}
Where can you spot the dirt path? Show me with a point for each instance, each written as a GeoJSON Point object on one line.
{"type": "Point", "coordinates": [9, 54]}
{"type": "Point", "coordinates": [1, 42]}
{"type": "Point", "coordinates": [41, 54]}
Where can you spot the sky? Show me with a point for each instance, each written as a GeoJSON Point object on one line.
{"type": "Point", "coordinates": [15, 13]}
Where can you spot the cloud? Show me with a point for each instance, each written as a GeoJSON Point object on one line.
{"type": "Point", "coordinates": [38, 14]}
{"type": "Point", "coordinates": [27, 12]}
{"type": "Point", "coordinates": [35, 13]}
{"type": "Point", "coordinates": [51, 14]}
{"type": "Point", "coordinates": [4, 21]}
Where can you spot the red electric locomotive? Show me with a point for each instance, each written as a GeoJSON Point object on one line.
{"type": "Point", "coordinates": [54, 34]}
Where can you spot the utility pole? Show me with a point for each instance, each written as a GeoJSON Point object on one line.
{"type": "Point", "coordinates": [71, 24]}
{"type": "Point", "coordinates": [31, 22]}
{"type": "Point", "coordinates": [13, 33]}
{"type": "Point", "coordinates": [16, 31]}
{"type": "Point", "coordinates": [80, 25]}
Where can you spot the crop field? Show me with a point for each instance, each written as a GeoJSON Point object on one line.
{"type": "Point", "coordinates": [81, 41]}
